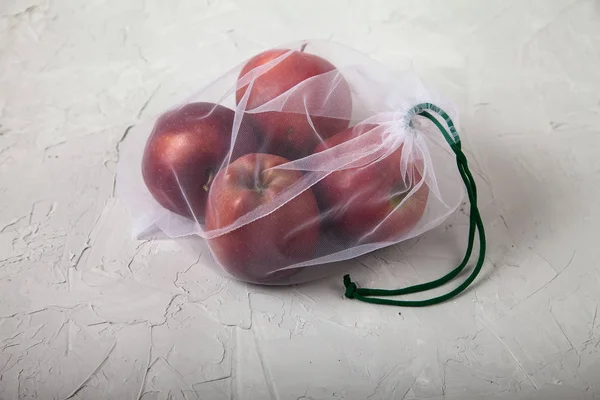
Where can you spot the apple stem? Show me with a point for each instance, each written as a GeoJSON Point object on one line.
{"type": "Point", "coordinates": [303, 47]}
{"type": "Point", "coordinates": [211, 176]}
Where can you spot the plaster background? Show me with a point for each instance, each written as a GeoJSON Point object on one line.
{"type": "Point", "coordinates": [87, 312]}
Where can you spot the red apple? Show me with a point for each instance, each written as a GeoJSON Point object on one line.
{"type": "Point", "coordinates": [185, 151]}
{"type": "Point", "coordinates": [329, 101]}
{"type": "Point", "coordinates": [288, 235]}
{"type": "Point", "coordinates": [368, 204]}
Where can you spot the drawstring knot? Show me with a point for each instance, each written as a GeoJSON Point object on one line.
{"type": "Point", "coordinates": [350, 287]}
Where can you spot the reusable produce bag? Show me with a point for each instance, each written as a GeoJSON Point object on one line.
{"type": "Point", "coordinates": [302, 157]}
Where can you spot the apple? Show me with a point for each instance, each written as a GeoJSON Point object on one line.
{"type": "Point", "coordinates": [256, 251]}
{"type": "Point", "coordinates": [328, 100]}
{"type": "Point", "coordinates": [185, 151]}
{"type": "Point", "coordinates": [369, 204]}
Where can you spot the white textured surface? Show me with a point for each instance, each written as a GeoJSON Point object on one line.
{"type": "Point", "coordinates": [88, 312]}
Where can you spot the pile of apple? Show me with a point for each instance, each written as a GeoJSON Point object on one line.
{"type": "Point", "coordinates": [192, 168]}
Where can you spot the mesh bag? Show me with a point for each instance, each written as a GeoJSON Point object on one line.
{"type": "Point", "coordinates": [299, 158]}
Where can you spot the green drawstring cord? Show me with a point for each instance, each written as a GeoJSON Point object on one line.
{"type": "Point", "coordinates": [475, 223]}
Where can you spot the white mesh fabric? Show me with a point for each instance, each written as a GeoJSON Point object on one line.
{"type": "Point", "coordinates": [379, 104]}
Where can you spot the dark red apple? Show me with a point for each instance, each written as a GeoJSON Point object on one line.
{"type": "Point", "coordinates": [185, 151]}
{"type": "Point", "coordinates": [369, 204]}
{"type": "Point", "coordinates": [328, 99]}
{"type": "Point", "coordinates": [254, 252]}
